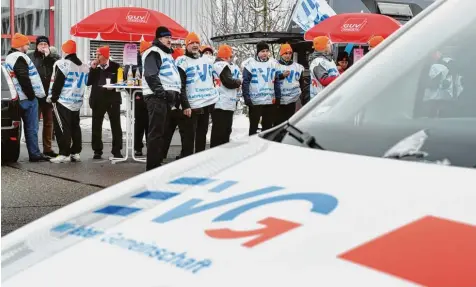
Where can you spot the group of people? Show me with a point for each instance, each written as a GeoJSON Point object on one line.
{"type": "Point", "coordinates": [54, 87]}
{"type": "Point", "coordinates": [180, 87]}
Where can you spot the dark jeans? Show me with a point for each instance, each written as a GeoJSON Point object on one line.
{"type": "Point", "coordinates": [114, 112]}
{"type": "Point", "coordinates": [177, 118]}
{"type": "Point", "coordinates": [157, 110]}
{"type": "Point", "coordinates": [67, 130]}
{"type": "Point", "coordinates": [29, 115]}
{"type": "Point", "coordinates": [284, 112]}
{"type": "Point", "coordinates": [222, 122]}
{"type": "Point", "coordinates": [141, 123]}
{"type": "Point", "coordinates": [265, 113]}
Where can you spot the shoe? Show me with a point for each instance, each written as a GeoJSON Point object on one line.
{"type": "Point", "coordinates": [75, 157]}
{"type": "Point", "coordinates": [97, 156]}
{"type": "Point", "coordinates": [61, 159]}
{"type": "Point", "coordinates": [138, 153]}
{"type": "Point", "coordinates": [50, 154]}
{"type": "Point", "coordinates": [42, 157]}
{"type": "Point", "coordinates": [117, 155]}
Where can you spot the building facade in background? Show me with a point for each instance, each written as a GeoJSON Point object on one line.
{"type": "Point", "coordinates": [54, 19]}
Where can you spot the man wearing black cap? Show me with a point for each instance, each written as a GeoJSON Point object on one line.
{"type": "Point", "coordinates": [261, 88]}
{"type": "Point", "coordinates": [44, 60]}
{"type": "Point", "coordinates": [161, 89]}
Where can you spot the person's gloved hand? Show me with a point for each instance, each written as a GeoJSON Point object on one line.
{"type": "Point", "coordinates": [48, 100]}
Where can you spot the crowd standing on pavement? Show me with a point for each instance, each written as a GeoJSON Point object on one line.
{"type": "Point", "coordinates": [180, 88]}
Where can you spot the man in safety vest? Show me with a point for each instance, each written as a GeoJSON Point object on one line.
{"type": "Point", "coordinates": [29, 87]}
{"type": "Point", "coordinates": [227, 83]}
{"type": "Point", "coordinates": [207, 52]}
{"type": "Point", "coordinates": [261, 88]}
{"type": "Point", "coordinates": [322, 68]}
{"type": "Point", "coordinates": [197, 83]}
{"type": "Point", "coordinates": [68, 84]}
{"type": "Point", "coordinates": [292, 86]}
{"type": "Point", "coordinates": [161, 88]}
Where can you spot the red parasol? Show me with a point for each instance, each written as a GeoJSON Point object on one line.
{"type": "Point", "coordinates": [126, 24]}
{"type": "Point", "coordinates": [355, 28]}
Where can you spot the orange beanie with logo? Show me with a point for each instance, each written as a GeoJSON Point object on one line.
{"type": "Point", "coordinates": [320, 43]}
{"type": "Point", "coordinates": [375, 40]}
{"type": "Point", "coordinates": [192, 38]}
{"type": "Point", "coordinates": [105, 51]}
{"type": "Point", "coordinates": [225, 52]}
{"type": "Point", "coordinates": [19, 40]}
{"type": "Point", "coordinates": [177, 53]}
{"type": "Point", "coordinates": [285, 48]}
{"type": "Point", "coordinates": [144, 45]}
{"type": "Point", "coordinates": [69, 47]}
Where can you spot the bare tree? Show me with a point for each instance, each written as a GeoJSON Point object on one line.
{"type": "Point", "coordinates": [240, 16]}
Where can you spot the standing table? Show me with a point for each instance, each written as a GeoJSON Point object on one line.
{"type": "Point", "coordinates": [131, 92]}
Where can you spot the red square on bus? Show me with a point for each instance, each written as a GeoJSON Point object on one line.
{"type": "Point", "coordinates": [431, 251]}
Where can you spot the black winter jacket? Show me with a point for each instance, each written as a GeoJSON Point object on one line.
{"type": "Point", "coordinates": [44, 65]}
{"type": "Point", "coordinates": [97, 79]}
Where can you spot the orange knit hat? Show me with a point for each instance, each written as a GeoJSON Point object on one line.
{"type": "Point", "coordinates": [144, 45]}
{"type": "Point", "coordinates": [285, 48]}
{"type": "Point", "coordinates": [225, 52]}
{"type": "Point", "coordinates": [105, 51]}
{"type": "Point", "coordinates": [19, 40]}
{"type": "Point", "coordinates": [206, 48]}
{"type": "Point", "coordinates": [177, 53]}
{"type": "Point", "coordinates": [192, 38]}
{"type": "Point", "coordinates": [69, 47]}
{"type": "Point", "coordinates": [375, 40]}
{"type": "Point", "coordinates": [320, 43]}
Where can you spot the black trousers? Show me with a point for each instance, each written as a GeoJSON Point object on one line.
{"type": "Point", "coordinates": [200, 122]}
{"type": "Point", "coordinates": [141, 123]}
{"type": "Point", "coordinates": [222, 122]}
{"type": "Point", "coordinates": [67, 130]}
{"type": "Point", "coordinates": [284, 112]}
{"type": "Point", "coordinates": [265, 113]}
{"type": "Point", "coordinates": [177, 118]}
{"type": "Point", "coordinates": [157, 110]}
{"type": "Point", "coordinates": [114, 112]}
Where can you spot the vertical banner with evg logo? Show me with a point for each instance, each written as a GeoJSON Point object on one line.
{"type": "Point", "coordinates": [309, 13]}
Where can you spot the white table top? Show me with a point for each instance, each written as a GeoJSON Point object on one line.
{"type": "Point", "coordinates": [121, 87]}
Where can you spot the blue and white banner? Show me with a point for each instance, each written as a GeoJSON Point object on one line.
{"type": "Point", "coordinates": [309, 13]}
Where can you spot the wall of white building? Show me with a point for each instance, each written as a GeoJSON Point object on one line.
{"type": "Point", "coordinates": [188, 13]}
